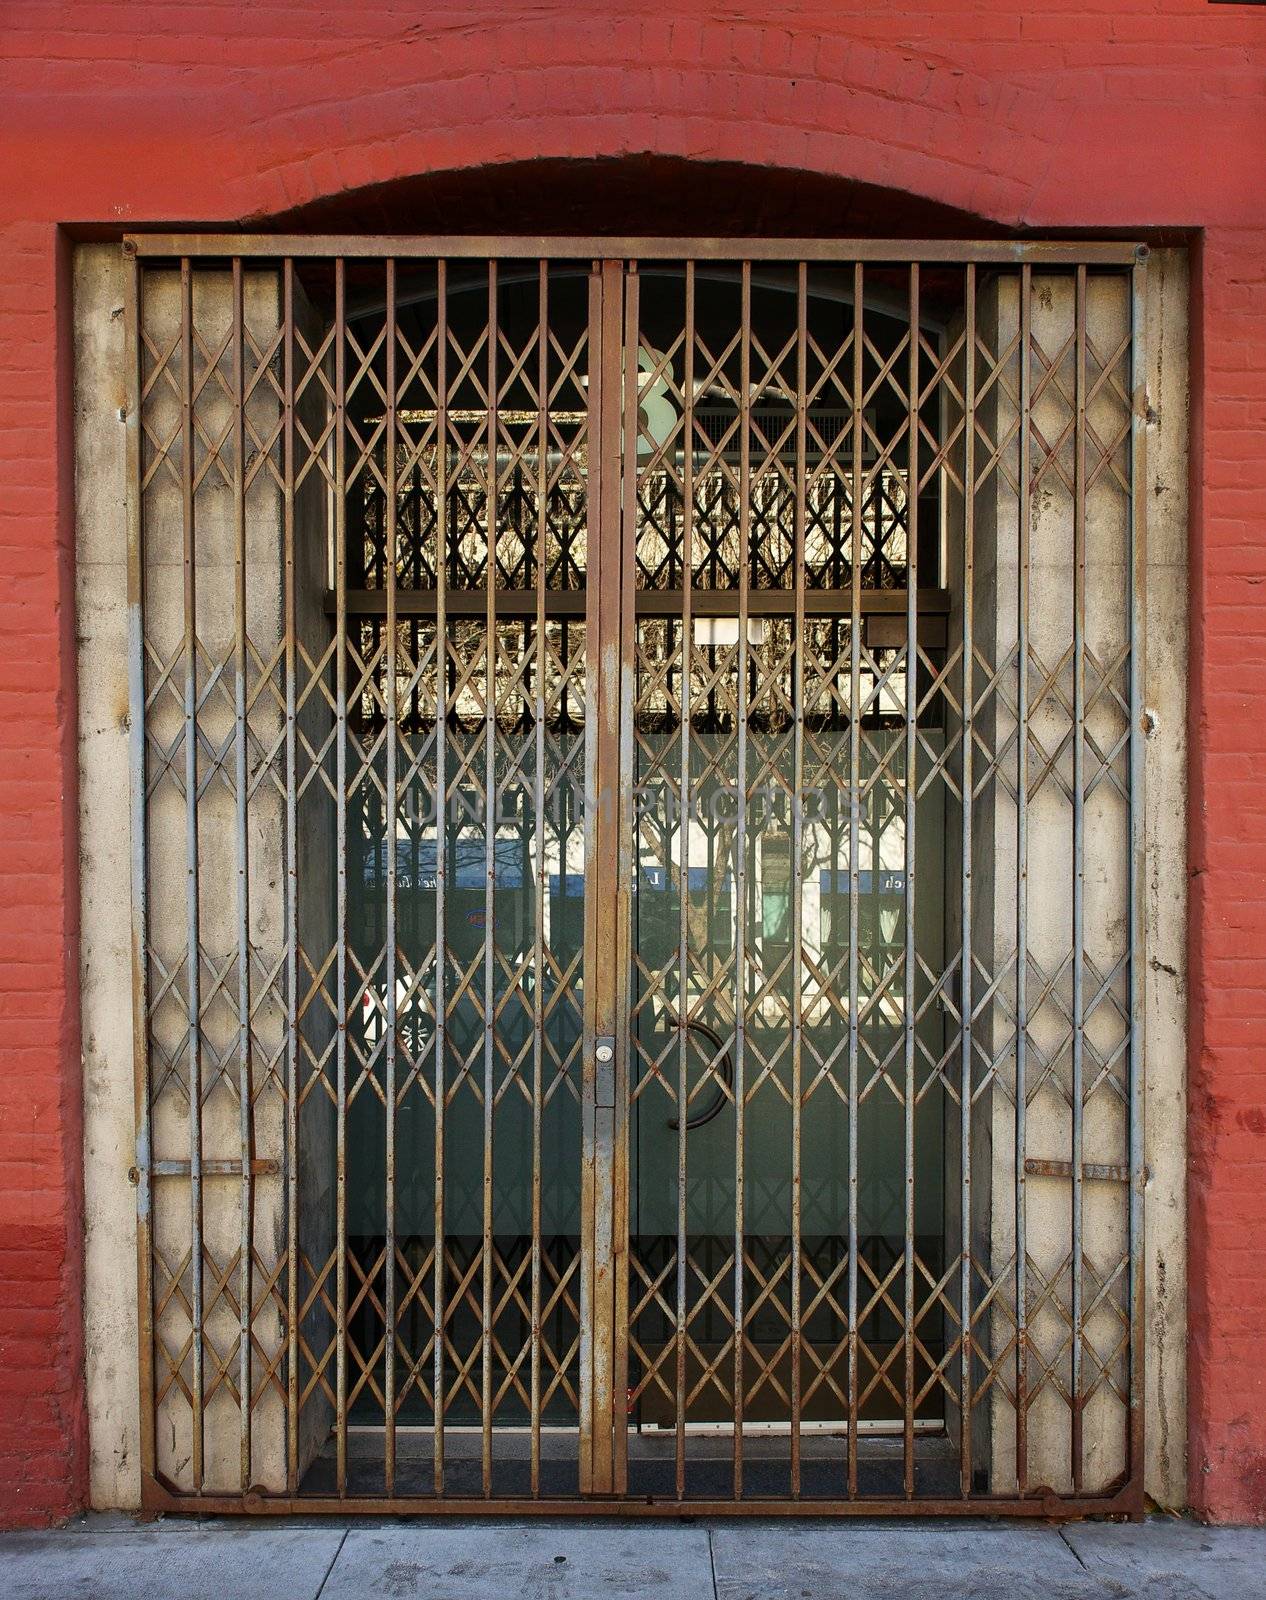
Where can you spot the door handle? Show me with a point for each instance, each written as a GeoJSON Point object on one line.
{"type": "Point", "coordinates": [718, 1102]}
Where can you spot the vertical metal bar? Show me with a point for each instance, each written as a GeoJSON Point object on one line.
{"type": "Point", "coordinates": [604, 799]}
{"type": "Point", "coordinates": [1022, 881]}
{"type": "Point", "coordinates": [389, 559]}
{"type": "Point", "coordinates": [193, 955]}
{"type": "Point", "coordinates": [854, 852]}
{"type": "Point", "coordinates": [441, 861]}
{"type": "Point", "coordinates": [626, 283]}
{"type": "Point", "coordinates": [740, 858]}
{"type": "Point", "coordinates": [139, 870]}
{"type": "Point", "coordinates": [241, 779]}
{"type": "Point", "coordinates": [538, 943]}
{"type": "Point", "coordinates": [965, 951]}
{"type": "Point", "coordinates": [340, 930]}
{"type": "Point", "coordinates": [292, 884]}
{"type": "Point", "coordinates": [597, 478]}
{"type": "Point", "coordinates": [911, 797]}
{"type": "Point", "coordinates": [683, 892]}
{"type": "Point", "coordinates": [799, 644]}
{"type": "Point", "coordinates": [1079, 859]}
{"type": "Point", "coordinates": [490, 838]}
{"type": "Point", "coordinates": [1136, 878]}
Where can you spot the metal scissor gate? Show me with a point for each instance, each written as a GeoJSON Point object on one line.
{"type": "Point", "coordinates": [637, 827]}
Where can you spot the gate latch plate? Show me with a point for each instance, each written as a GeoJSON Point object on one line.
{"type": "Point", "coordinates": [604, 1077]}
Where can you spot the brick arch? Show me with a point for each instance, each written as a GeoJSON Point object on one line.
{"type": "Point", "coordinates": [737, 94]}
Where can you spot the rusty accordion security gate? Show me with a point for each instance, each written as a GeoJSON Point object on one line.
{"type": "Point", "coordinates": [637, 823]}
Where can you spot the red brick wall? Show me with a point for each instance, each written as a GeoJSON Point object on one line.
{"type": "Point", "coordinates": [43, 1437]}
{"type": "Point", "coordinates": [1226, 1192]}
{"type": "Point", "coordinates": [1143, 114]}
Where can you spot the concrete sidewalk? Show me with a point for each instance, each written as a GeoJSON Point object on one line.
{"type": "Point", "coordinates": [114, 1558]}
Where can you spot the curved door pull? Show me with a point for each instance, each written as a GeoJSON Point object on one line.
{"type": "Point", "coordinates": [719, 1100]}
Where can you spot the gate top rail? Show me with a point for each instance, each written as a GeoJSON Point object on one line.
{"type": "Point", "coordinates": [1002, 252]}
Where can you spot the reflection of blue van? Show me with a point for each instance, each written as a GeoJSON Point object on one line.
{"type": "Point", "coordinates": [657, 876]}
{"type": "Point", "coordinates": [467, 864]}
{"type": "Point", "coordinates": [571, 886]}
{"type": "Point", "coordinates": [888, 880]}
{"type": "Point", "coordinates": [657, 913]}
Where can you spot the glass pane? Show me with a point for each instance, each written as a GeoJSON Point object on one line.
{"type": "Point", "coordinates": [523, 966]}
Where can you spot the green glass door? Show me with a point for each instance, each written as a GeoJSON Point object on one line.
{"type": "Point", "coordinates": [788, 1019]}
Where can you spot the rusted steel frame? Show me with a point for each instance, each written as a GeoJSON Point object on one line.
{"type": "Point", "coordinates": [1091, 1171]}
{"type": "Point", "coordinates": [538, 942]}
{"type": "Point", "coordinates": [799, 645]}
{"type": "Point", "coordinates": [241, 780]}
{"type": "Point", "coordinates": [1079, 867]}
{"type": "Point", "coordinates": [1000, 252]}
{"type": "Point", "coordinates": [193, 1045]}
{"type": "Point", "coordinates": [909, 999]}
{"type": "Point", "coordinates": [340, 912]}
{"type": "Point", "coordinates": [592, 598]}
{"type": "Point", "coordinates": [683, 897]}
{"type": "Point", "coordinates": [1022, 882]}
{"type": "Point", "coordinates": [133, 307]}
{"type": "Point", "coordinates": [1137, 601]}
{"type": "Point", "coordinates": [647, 602]}
{"type": "Point", "coordinates": [966, 1000]}
{"type": "Point", "coordinates": [629, 285]}
{"type": "Point", "coordinates": [740, 858]}
{"type": "Point", "coordinates": [620, 309]}
{"type": "Point", "coordinates": [604, 682]}
{"type": "Point", "coordinates": [910, 601]}
{"type": "Point", "coordinates": [390, 920]}
{"type": "Point", "coordinates": [292, 884]}
{"type": "Point", "coordinates": [854, 851]}
{"type": "Point", "coordinates": [490, 860]}
{"type": "Point", "coordinates": [441, 862]}
{"type": "Point", "coordinates": [260, 1167]}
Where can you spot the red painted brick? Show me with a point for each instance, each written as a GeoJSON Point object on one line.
{"type": "Point", "coordinates": [1078, 114]}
